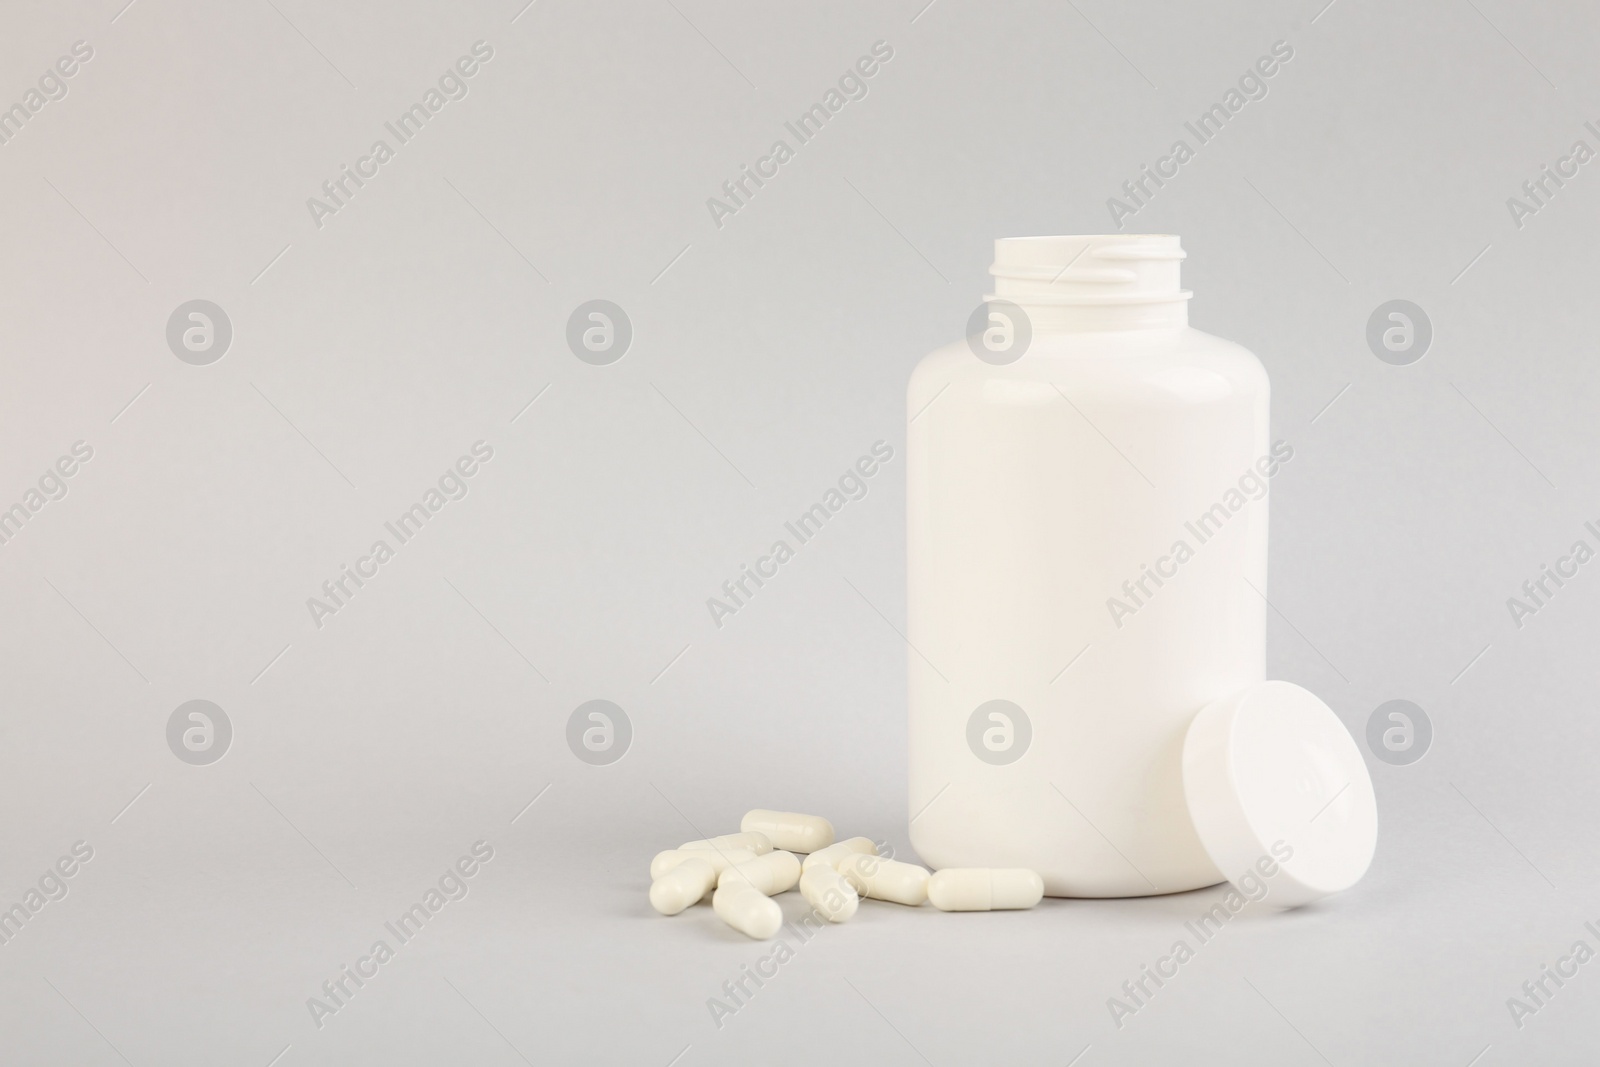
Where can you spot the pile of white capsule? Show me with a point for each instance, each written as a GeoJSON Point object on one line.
{"type": "Point", "coordinates": [741, 873]}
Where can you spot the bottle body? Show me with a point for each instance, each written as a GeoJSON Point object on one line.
{"type": "Point", "coordinates": [1087, 559]}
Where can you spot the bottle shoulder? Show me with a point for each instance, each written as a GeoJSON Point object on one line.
{"type": "Point", "coordinates": [1183, 364]}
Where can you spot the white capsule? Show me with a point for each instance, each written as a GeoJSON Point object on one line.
{"type": "Point", "coordinates": [758, 843]}
{"type": "Point", "coordinates": [774, 873]}
{"type": "Point", "coordinates": [881, 879]}
{"type": "Point", "coordinates": [747, 911]}
{"type": "Point", "coordinates": [984, 888]}
{"type": "Point", "coordinates": [665, 861]}
{"type": "Point", "coordinates": [790, 830]}
{"type": "Point", "coordinates": [681, 886]}
{"type": "Point", "coordinates": [838, 851]}
{"type": "Point", "coordinates": [826, 890]}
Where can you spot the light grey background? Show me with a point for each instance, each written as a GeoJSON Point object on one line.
{"type": "Point", "coordinates": [767, 355]}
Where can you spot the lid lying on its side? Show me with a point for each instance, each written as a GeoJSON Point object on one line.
{"type": "Point", "coordinates": [1276, 785]}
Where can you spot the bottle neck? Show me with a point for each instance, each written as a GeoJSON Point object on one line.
{"type": "Point", "coordinates": [1082, 284]}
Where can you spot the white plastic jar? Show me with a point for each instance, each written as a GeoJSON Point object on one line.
{"type": "Point", "coordinates": [1087, 564]}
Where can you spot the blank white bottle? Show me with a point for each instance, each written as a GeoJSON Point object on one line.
{"type": "Point", "coordinates": [1061, 639]}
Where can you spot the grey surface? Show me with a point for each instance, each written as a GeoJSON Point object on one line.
{"type": "Point", "coordinates": [767, 355]}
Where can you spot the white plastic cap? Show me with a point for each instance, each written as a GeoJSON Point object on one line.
{"type": "Point", "coordinates": [1276, 786]}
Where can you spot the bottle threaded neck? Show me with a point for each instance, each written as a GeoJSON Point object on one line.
{"type": "Point", "coordinates": [1097, 281]}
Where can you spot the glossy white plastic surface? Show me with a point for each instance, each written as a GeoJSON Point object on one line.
{"type": "Point", "coordinates": [790, 830]}
{"type": "Point", "coordinates": [984, 889]}
{"type": "Point", "coordinates": [1280, 794]}
{"type": "Point", "coordinates": [837, 851]}
{"type": "Point", "coordinates": [747, 911]}
{"type": "Point", "coordinates": [1039, 491]}
{"type": "Point", "coordinates": [826, 890]}
{"type": "Point", "coordinates": [881, 879]}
